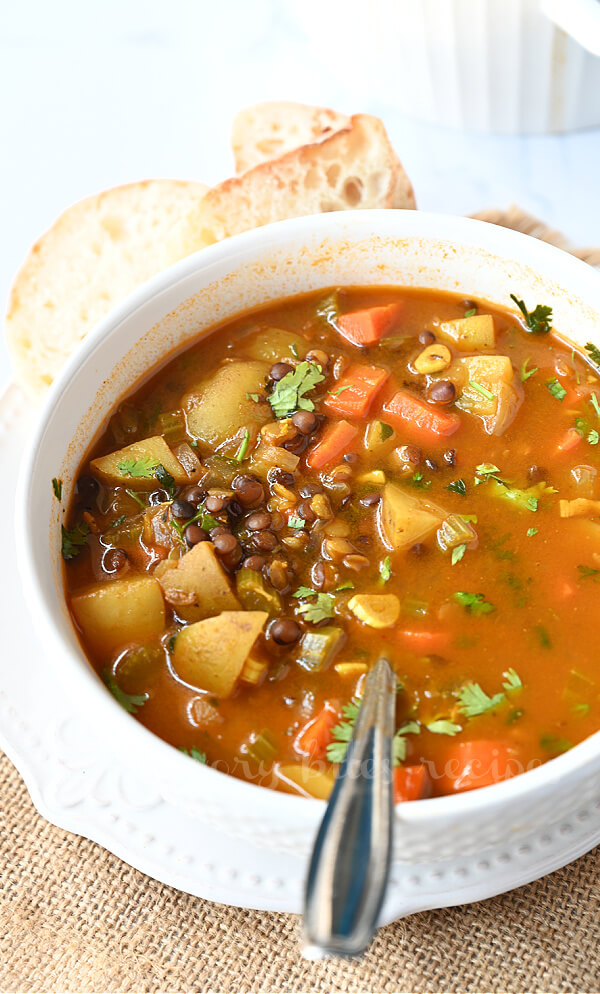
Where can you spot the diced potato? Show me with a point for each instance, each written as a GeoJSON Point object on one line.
{"type": "Point", "coordinates": [486, 389]}
{"type": "Point", "coordinates": [308, 781]}
{"type": "Point", "coordinates": [375, 610]}
{"type": "Point", "coordinates": [379, 437]}
{"type": "Point", "coordinates": [113, 614]}
{"type": "Point", "coordinates": [196, 586]}
{"type": "Point", "coordinates": [274, 345]}
{"type": "Point", "coordinates": [376, 476]}
{"type": "Point", "coordinates": [217, 408]}
{"type": "Point", "coordinates": [211, 654]}
{"type": "Point", "coordinates": [581, 507]}
{"type": "Point", "coordinates": [404, 519]}
{"type": "Point", "coordinates": [468, 334]}
{"type": "Point", "coordinates": [148, 453]}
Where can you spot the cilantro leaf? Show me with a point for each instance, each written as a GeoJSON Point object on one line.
{"type": "Point", "coordinates": [538, 321]}
{"type": "Point", "coordinates": [385, 569]}
{"type": "Point", "coordinates": [593, 352]}
{"type": "Point", "coordinates": [137, 468]}
{"type": "Point", "coordinates": [526, 373]}
{"type": "Point", "coordinates": [131, 702]}
{"type": "Point", "coordinates": [443, 727]}
{"type": "Point", "coordinates": [457, 487]}
{"type": "Point", "coordinates": [531, 532]}
{"type": "Point", "coordinates": [243, 449]}
{"type": "Point", "coordinates": [474, 701]}
{"type": "Point", "coordinates": [399, 742]}
{"type": "Point", "coordinates": [303, 592]}
{"type": "Point", "coordinates": [166, 480]}
{"type": "Point", "coordinates": [595, 404]}
{"type": "Point", "coordinates": [475, 604]}
{"type": "Point", "coordinates": [296, 523]}
{"type": "Point", "coordinates": [135, 497]}
{"type": "Point", "coordinates": [556, 389]}
{"type": "Point", "coordinates": [471, 312]}
{"type": "Point", "coordinates": [593, 436]}
{"type": "Point", "coordinates": [418, 483]}
{"type": "Point", "coordinates": [74, 539]}
{"type": "Point", "coordinates": [457, 553]}
{"type": "Point", "coordinates": [586, 572]}
{"type": "Point", "coordinates": [336, 393]}
{"type": "Point", "coordinates": [317, 610]}
{"type": "Point", "coordinates": [512, 680]}
{"type": "Point", "coordinates": [57, 488]}
{"type": "Point", "coordinates": [386, 431]}
{"type": "Point", "coordinates": [288, 393]}
{"type": "Point", "coordinates": [196, 754]}
{"type": "Point", "coordinates": [342, 732]}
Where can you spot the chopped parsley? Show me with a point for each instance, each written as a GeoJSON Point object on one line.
{"type": "Point", "coordinates": [482, 390]}
{"type": "Point", "coordinates": [385, 569]}
{"type": "Point", "coordinates": [556, 389]}
{"type": "Point", "coordinates": [586, 572]}
{"type": "Point", "coordinates": [253, 396]}
{"type": "Point", "coordinates": [457, 487]}
{"type": "Point", "coordinates": [458, 553]}
{"type": "Point", "coordinates": [418, 482]}
{"type": "Point", "coordinates": [316, 610]}
{"type": "Point", "coordinates": [336, 393]}
{"type": "Point", "coordinates": [512, 680]}
{"type": "Point", "coordinates": [196, 754]}
{"type": "Point", "coordinates": [474, 701]}
{"type": "Point", "coordinates": [443, 727]}
{"type": "Point", "coordinates": [74, 539]}
{"type": "Point", "coordinates": [288, 394]}
{"type": "Point", "coordinates": [296, 523]}
{"type": "Point", "coordinates": [543, 637]}
{"type": "Point", "coordinates": [136, 498]}
{"type": "Point", "coordinates": [594, 353]}
{"type": "Point", "coordinates": [386, 431]}
{"type": "Point", "coordinates": [531, 532]}
{"type": "Point", "coordinates": [526, 373]}
{"type": "Point", "coordinates": [138, 468]}
{"type": "Point", "coordinates": [57, 488]}
{"type": "Point", "coordinates": [555, 744]}
{"type": "Point", "coordinates": [538, 321]}
{"type": "Point", "coordinates": [294, 350]}
{"type": "Point", "coordinates": [399, 742]}
{"type": "Point", "coordinates": [131, 702]}
{"type": "Point", "coordinates": [475, 604]}
{"type": "Point", "coordinates": [166, 480]}
{"type": "Point", "coordinates": [201, 517]}
{"type": "Point", "coordinates": [243, 449]}
{"type": "Point", "coordinates": [593, 437]}
{"type": "Point", "coordinates": [471, 312]}
{"type": "Point", "coordinates": [342, 732]}
{"type": "Point", "coordinates": [595, 404]}
{"type": "Point", "coordinates": [118, 521]}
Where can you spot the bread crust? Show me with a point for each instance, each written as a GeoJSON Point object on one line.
{"type": "Point", "coordinates": [268, 130]}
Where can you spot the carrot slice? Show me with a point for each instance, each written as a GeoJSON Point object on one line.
{"type": "Point", "coordinates": [332, 445]}
{"type": "Point", "coordinates": [569, 441]}
{"type": "Point", "coordinates": [468, 765]}
{"type": "Point", "coordinates": [369, 326]}
{"type": "Point", "coordinates": [356, 390]}
{"type": "Point", "coordinates": [413, 413]}
{"type": "Point", "coordinates": [410, 783]}
{"type": "Point", "coordinates": [313, 739]}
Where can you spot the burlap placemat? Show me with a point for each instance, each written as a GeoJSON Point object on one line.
{"type": "Point", "coordinates": [73, 917]}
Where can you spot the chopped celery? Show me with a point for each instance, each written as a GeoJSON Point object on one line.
{"type": "Point", "coordinates": [455, 531]}
{"type": "Point", "coordinates": [253, 670]}
{"type": "Point", "coordinates": [137, 666]}
{"type": "Point", "coordinates": [274, 345]}
{"type": "Point", "coordinates": [317, 648]}
{"type": "Point", "coordinates": [414, 607]}
{"type": "Point", "coordinates": [221, 471]}
{"type": "Point", "coordinates": [126, 532]}
{"type": "Point", "coordinates": [253, 594]}
{"type": "Point", "coordinates": [171, 424]}
{"type": "Point", "coordinates": [126, 423]}
{"type": "Point", "coordinates": [261, 747]}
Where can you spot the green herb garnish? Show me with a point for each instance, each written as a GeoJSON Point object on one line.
{"type": "Point", "coordinates": [336, 393]}
{"type": "Point", "coordinates": [471, 312]}
{"type": "Point", "coordinates": [399, 742]}
{"type": "Point", "coordinates": [166, 480]}
{"type": "Point", "coordinates": [457, 487]}
{"type": "Point", "coordinates": [512, 680]}
{"type": "Point", "coordinates": [539, 321]}
{"type": "Point", "coordinates": [385, 569]}
{"type": "Point", "coordinates": [136, 498]}
{"type": "Point", "coordinates": [474, 701]}
{"type": "Point", "coordinates": [243, 449]}
{"type": "Point", "coordinates": [556, 389]}
{"type": "Point", "coordinates": [418, 482]}
{"type": "Point", "coordinates": [288, 394]}
{"type": "Point", "coordinates": [482, 390]}
{"type": "Point", "coordinates": [586, 572]}
{"type": "Point", "coordinates": [57, 488]}
{"type": "Point", "coordinates": [196, 754]}
{"type": "Point", "coordinates": [443, 727]}
{"type": "Point", "coordinates": [74, 539]}
{"type": "Point", "coordinates": [137, 468]}
{"type": "Point", "coordinates": [317, 610]}
{"type": "Point", "coordinates": [594, 353]}
{"type": "Point", "coordinates": [531, 532]}
{"type": "Point", "coordinates": [526, 373]}
{"type": "Point", "coordinates": [458, 553]}
{"type": "Point", "coordinates": [342, 732]}
{"type": "Point", "coordinates": [386, 431]}
{"type": "Point", "coordinates": [296, 523]}
{"type": "Point", "coordinates": [131, 702]}
{"type": "Point", "coordinates": [475, 604]}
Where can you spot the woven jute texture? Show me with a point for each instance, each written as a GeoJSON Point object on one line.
{"type": "Point", "coordinates": [73, 917]}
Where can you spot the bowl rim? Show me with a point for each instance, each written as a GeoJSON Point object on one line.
{"type": "Point", "coordinates": [238, 250]}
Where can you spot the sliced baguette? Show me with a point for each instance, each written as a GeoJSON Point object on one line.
{"type": "Point", "coordinates": [269, 130]}
{"type": "Point", "coordinates": [97, 252]}
{"type": "Point", "coordinates": [353, 168]}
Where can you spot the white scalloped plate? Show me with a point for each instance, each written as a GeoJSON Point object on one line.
{"type": "Point", "coordinates": [41, 730]}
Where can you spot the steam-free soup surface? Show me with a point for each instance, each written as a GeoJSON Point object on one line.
{"type": "Point", "coordinates": [340, 476]}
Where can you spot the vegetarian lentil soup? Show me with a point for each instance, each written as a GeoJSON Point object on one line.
{"type": "Point", "coordinates": [339, 476]}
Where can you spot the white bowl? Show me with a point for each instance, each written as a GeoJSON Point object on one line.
{"type": "Point", "coordinates": [402, 248]}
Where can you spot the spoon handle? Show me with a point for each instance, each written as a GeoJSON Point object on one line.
{"type": "Point", "coordinates": [350, 863]}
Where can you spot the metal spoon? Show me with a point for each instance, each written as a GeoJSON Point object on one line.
{"type": "Point", "coordinates": [350, 863]}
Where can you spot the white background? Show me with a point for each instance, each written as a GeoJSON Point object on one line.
{"type": "Point", "coordinates": [97, 94]}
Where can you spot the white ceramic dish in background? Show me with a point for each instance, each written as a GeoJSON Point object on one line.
{"type": "Point", "coordinates": [361, 247]}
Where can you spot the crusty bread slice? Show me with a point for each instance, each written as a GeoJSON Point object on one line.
{"type": "Point", "coordinates": [269, 130]}
{"type": "Point", "coordinates": [353, 168]}
{"type": "Point", "coordinates": [97, 252]}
